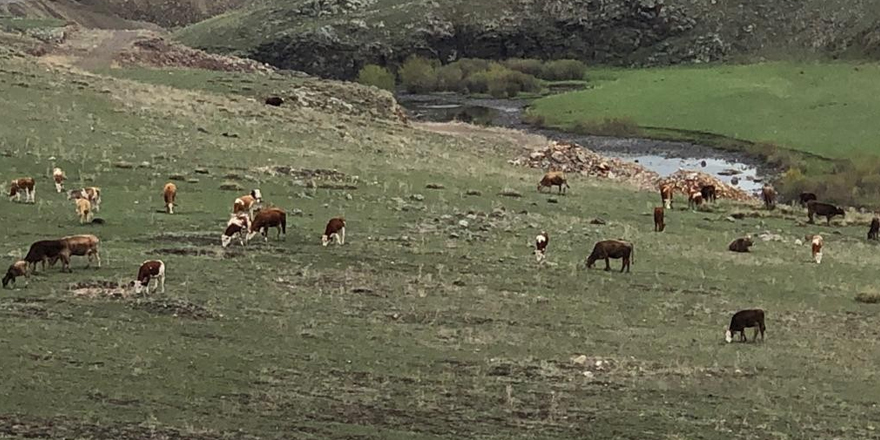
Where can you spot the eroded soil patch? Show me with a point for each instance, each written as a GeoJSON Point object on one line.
{"type": "Point", "coordinates": [100, 289]}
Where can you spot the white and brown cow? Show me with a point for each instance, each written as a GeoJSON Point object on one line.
{"type": "Point", "coordinates": [816, 245]}
{"type": "Point", "coordinates": [169, 194]}
{"type": "Point", "coordinates": [541, 242]}
{"type": "Point", "coordinates": [237, 225]}
{"type": "Point", "coordinates": [91, 193]}
{"type": "Point", "coordinates": [59, 178]}
{"type": "Point", "coordinates": [24, 185]}
{"type": "Point", "coordinates": [248, 203]}
{"type": "Point", "coordinates": [335, 231]}
{"type": "Point", "coordinates": [17, 269]}
{"type": "Point", "coordinates": [84, 210]}
{"type": "Point", "coordinates": [149, 270]}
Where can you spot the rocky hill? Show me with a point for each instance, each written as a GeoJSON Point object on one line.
{"type": "Point", "coordinates": [336, 37]}
{"type": "Point", "coordinates": [120, 14]}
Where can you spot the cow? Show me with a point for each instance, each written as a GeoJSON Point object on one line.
{"type": "Point", "coordinates": [92, 194]}
{"type": "Point", "coordinates": [659, 225]}
{"type": "Point", "coordinates": [553, 178]}
{"type": "Point", "coordinates": [823, 210]}
{"type": "Point", "coordinates": [248, 203]}
{"type": "Point", "coordinates": [816, 245]}
{"type": "Point", "coordinates": [24, 185]}
{"type": "Point", "coordinates": [83, 210]}
{"type": "Point", "coordinates": [874, 229]}
{"type": "Point", "coordinates": [237, 225]}
{"type": "Point", "coordinates": [806, 197]}
{"type": "Point", "coordinates": [335, 231]}
{"type": "Point", "coordinates": [740, 244]}
{"type": "Point", "coordinates": [708, 192]}
{"type": "Point", "coordinates": [768, 194]}
{"type": "Point", "coordinates": [42, 251]}
{"type": "Point", "coordinates": [541, 242]}
{"type": "Point", "coordinates": [742, 320]}
{"type": "Point", "coordinates": [268, 218]}
{"type": "Point", "coordinates": [605, 250]}
{"type": "Point", "coordinates": [63, 249]}
{"type": "Point", "coordinates": [695, 199]}
{"type": "Point", "coordinates": [169, 194]}
{"type": "Point", "coordinates": [666, 195]}
{"type": "Point", "coordinates": [150, 269]}
{"type": "Point", "coordinates": [59, 178]}
{"type": "Point", "coordinates": [17, 269]}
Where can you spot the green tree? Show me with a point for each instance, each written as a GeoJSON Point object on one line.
{"type": "Point", "coordinates": [378, 76]}
{"type": "Point", "coordinates": [417, 75]}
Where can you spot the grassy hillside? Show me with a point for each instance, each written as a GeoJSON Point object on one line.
{"type": "Point", "coordinates": [120, 14]}
{"type": "Point", "coordinates": [824, 109]}
{"type": "Point", "coordinates": [432, 322]}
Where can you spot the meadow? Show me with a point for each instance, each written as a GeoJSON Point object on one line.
{"type": "Point", "coordinates": [433, 321]}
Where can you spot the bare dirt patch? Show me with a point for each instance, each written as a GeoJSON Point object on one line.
{"type": "Point", "coordinates": [100, 289]}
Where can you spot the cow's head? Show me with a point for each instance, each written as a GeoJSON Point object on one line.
{"type": "Point", "coordinates": [325, 240]}
{"type": "Point", "coordinates": [6, 279]}
{"type": "Point", "coordinates": [840, 212]}
{"type": "Point", "coordinates": [139, 285]}
{"type": "Point", "coordinates": [13, 188]}
{"type": "Point", "coordinates": [590, 261]}
{"type": "Point", "coordinates": [257, 195]}
{"type": "Point", "coordinates": [225, 240]}
{"type": "Point", "coordinates": [728, 336]}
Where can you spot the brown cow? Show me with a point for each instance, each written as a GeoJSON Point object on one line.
{"type": "Point", "coordinates": [83, 210]}
{"type": "Point", "coordinates": [874, 230]}
{"type": "Point", "coordinates": [268, 218]}
{"type": "Point", "coordinates": [746, 319]}
{"type": "Point", "coordinates": [659, 225]}
{"type": "Point", "coordinates": [59, 178]}
{"type": "Point", "coordinates": [248, 203]}
{"type": "Point", "coordinates": [740, 244]}
{"type": "Point", "coordinates": [768, 194]}
{"type": "Point", "coordinates": [824, 210]}
{"type": "Point", "coordinates": [604, 250]}
{"type": "Point", "coordinates": [24, 185]}
{"type": "Point", "coordinates": [554, 178]}
{"type": "Point", "coordinates": [335, 230]}
{"type": "Point", "coordinates": [541, 242]}
{"type": "Point", "coordinates": [666, 192]}
{"type": "Point", "coordinates": [708, 192]}
{"type": "Point", "coordinates": [63, 249]}
{"type": "Point", "coordinates": [816, 246]}
{"type": "Point", "coordinates": [169, 193]}
{"type": "Point", "coordinates": [695, 200]}
{"type": "Point", "coordinates": [150, 269]}
{"type": "Point", "coordinates": [17, 269]}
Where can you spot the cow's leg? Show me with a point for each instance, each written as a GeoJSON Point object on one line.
{"type": "Point", "coordinates": [161, 283]}
{"type": "Point", "coordinates": [607, 264]}
{"type": "Point", "coordinates": [65, 264]}
{"type": "Point", "coordinates": [342, 236]}
{"type": "Point", "coordinates": [828, 219]}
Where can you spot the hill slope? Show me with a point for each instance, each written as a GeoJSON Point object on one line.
{"type": "Point", "coordinates": [120, 14]}
{"type": "Point", "coordinates": [335, 37]}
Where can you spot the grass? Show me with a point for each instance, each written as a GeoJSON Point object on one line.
{"type": "Point", "coordinates": [826, 109]}
{"type": "Point", "coordinates": [418, 327]}
{"type": "Point", "coordinates": [15, 24]}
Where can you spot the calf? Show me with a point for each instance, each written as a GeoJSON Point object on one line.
{"type": "Point", "coordinates": [605, 250]}
{"type": "Point", "coordinates": [874, 229]}
{"type": "Point", "coordinates": [59, 178]}
{"type": "Point", "coordinates": [695, 199]}
{"type": "Point", "coordinates": [24, 185]}
{"type": "Point", "coordinates": [541, 242]}
{"type": "Point", "coordinates": [268, 218]}
{"type": "Point", "coordinates": [83, 210]}
{"type": "Point", "coordinates": [666, 192]}
{"type": "Point", "coordinates": [17, 269]}
{"type": "Point", "coordinates": [335, 230]}
{"type": "Point", "coordinates": [169, 193]}
{"type": "Point", "coordinates": [806, 197]}
{"type": "Point", "coordinates": [92, 194]}
{"type": "Point", "coordinates": [816, 245]}
{"type": "Point", "coordinates": [150, 269]}
{"type": "Point", "coordinates": [248, 203]}
{"type": "Point", "coordinates": [740, 244]}
{"type": "Point", "coordinates": [768, 194]}
{"type": "Point", "coordinates": [659, 225]}
{"type": "Point", "coordinates": [708, 193]}
{"type": "Point", "coordinates": [744, 319]}
{"type": "Point", "coordinates": [554, 178]}
{"type": "Point", "coordinates": [237, 225]}
{"type": "Point", "coordinates": [823, 210]}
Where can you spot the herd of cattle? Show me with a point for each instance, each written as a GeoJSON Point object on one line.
{"type": "Point", "coordinates": [250, 218]}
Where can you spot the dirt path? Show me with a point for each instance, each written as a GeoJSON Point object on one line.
{"type": "Point", "coordinates": [104, 51]}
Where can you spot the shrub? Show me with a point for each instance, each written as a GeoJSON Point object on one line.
{"type": "Point", "coordinates": [527, 66]}
{"type": "Point", "coordinates": [868, 297]}
{"type": "Point", "coordinates": [451, 78]}
{"type": "Point", "coordinates": [478, 82]}
{"type": "Point", "coordinates": [373, 75]}
{"type": "Point", "coordinates": [417, 75]}
{"type": "Point", "coordinates": [470, 66]}
{"type": "Point", "coordinates": [561, 70]}
{"type": "Point", "coordinates": [534, 120]}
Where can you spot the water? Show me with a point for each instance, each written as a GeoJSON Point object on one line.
{"type": "Point", "coordinates": [662, 157]}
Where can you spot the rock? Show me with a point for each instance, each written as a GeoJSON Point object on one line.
{"type": "Point", "coordinates": [177, 177]}
{"type": "Point", "coordinates": [798, 242]}
{"type": "Point", "coordinates": [598, 221]}
{"type": "Point", "coordinates": [729, 172]}
{"type": "Point", "coordinates": [434, 186]}
{"type": "Point", "coordinates": [463, 223]}
{"type": "Point", "coordinates": [454, 235]}
{"type": "Point", "coordinates": [192, 180]}
{"type": "Point", "coordinates": [473, 192]}
{"type": "Point", "coordinates": [731, 219]}
{"type": "Point", "coordinates": [123, 165]}
{"type": "Point", "coordinates": [348, 196]}
{"type": "Point", "coordinates": [579, 360]}
{"type": "Point", "coordinates": [231, 186]}
{"type": "Point", "coordinates": [508, 192]}
{"type": "Point", "coordinates": [417, 197]}
{"type": "Point", "coordinates": [552, 200]}
{"type": "Point", "coordinates": [201, 171]}
{"type": "Point", "coordinates": [296, 212]}
{"type": "Point", "coordinates": [734, 181]}
{"type": "Point", "coordinates": [459, 283]}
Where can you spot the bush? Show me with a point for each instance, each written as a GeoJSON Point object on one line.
{"type": "Point", "coordinates": [561, 70]}
{"type": "Point", "coordinates": [451, 78]}
{"type": "Point", "coordinates": [373, 75]}
{"type": "Point", "coordinates": [478, 82]}
{"type": "Point", "coordinates": [470, 66]}
{"type": "Point", "coordinates": [527, 66]}
{"type": "Point", "coordinates": [534, 120]}
{"type": "Point", "coordinates": [417, 75]}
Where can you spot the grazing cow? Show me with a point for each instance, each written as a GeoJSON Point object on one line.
{"type": "Point", "coordinates": [82, 246]}
{"type": "Point", "coordinates": [150, 269]}
{"type": "Point", "coordinates": [740, 244]}
{"type": "Point", "coordinates": [874, 230]}
{"type": "Point", "coordinates": [666, 195]}
{"type": "Point", "coordinates": [84, 210]}
{"type": "Point", "coordinates": [823, 210]}
{"type": "Point", "coordinates": [604, 250]}
{"type": "Point", "coordinates": [541, 242]}
{"type": "Point", "coordinates": [268, 218]}
{"type": "Point", "coordinates": [695, 199]}
{"type": "Point", "coordinates": [659, 225]}
{"type": "Point", "coordinates": [554, 178]}
{"type": "Point", "coordinates": [24, 185]}
{"type": "Point", "coordinates": [248, 203]}
{"type": "Point", "coordinates": [335, 231]}
{"type": "Point", "coordinates": [816, 245]}
{"type": "Point", "coordinates": [59, 178]}
{"type": "Point", "coordinates": [237, 225]}
{"type": "Point", "coordinates": [744, 319]}
{"type": "Point", "coordinates": [806, 197]}
{"type": "Point", "coordinates": [274, 101]}
{"type": "Point", "coordinates": [708, 193]}
{"type": "Point", "coordinates": [92, 194]}
{"type": "Point", "coordinates": [17, 269]}
{"type": "Point", "coordinates": [169, 193]}
{"type": "Point", "coordinates": [42, 251]}
{"type": "Point", "coordinates": [768, 194]}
